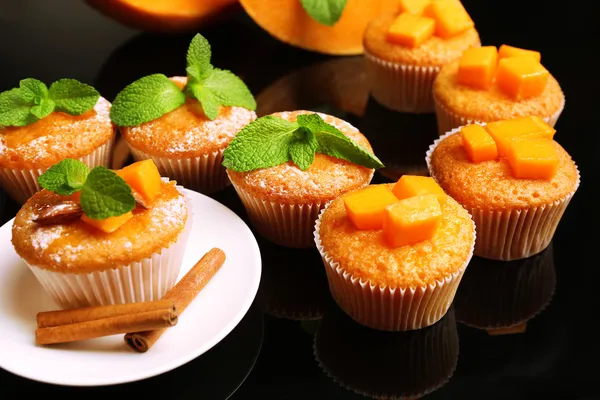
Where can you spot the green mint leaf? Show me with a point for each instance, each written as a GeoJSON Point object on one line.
{"type": "Point", "coordinates": [208, 101]}
{"type": "Point", "coordinates": [72, 96]}
{"type": "Point", "coordinates": [225, 89]}
{"type": "Point", "coordinates": [302, 148]}
{"type": "Point", "coordinates": [15, 109]}
{"type": "Point", "coordinates": [43, 108]}
{"type": "Point", "coordinates": [326, 12]}
{"type": "Point", "coordinates": [262, 143]}
{"type": "Point", "coordinates": [105, 194]}
{"type": "Point", "coordinates": [33, 91]}
{"type": "Point", "coordinates": [335, 144]}
{"type": "Point", "coordinates": [146, 99]}
{"type": "Point", "coordinates": [66, 177]}
{"type": "Point", "coordinates": [198, 57]}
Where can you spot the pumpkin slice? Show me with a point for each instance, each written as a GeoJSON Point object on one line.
{"type": "Point", "coordinates": [163, 15]}
{"type": "Point", "coordinates": [289, 22]}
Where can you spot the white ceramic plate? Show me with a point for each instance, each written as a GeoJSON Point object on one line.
{"type": "Point", "coordinates": [105, 361]}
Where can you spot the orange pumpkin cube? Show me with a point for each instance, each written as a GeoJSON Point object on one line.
{"type": "Point", "coordinates": [527, 127]}
{"type": "Point", "coordinates": [521, 77]}
{"type": "Point", "coordinates": [143, 177]}
{"type": "Point", "coordinates": [532, 158]}
{"type": "Point", "coordinates": [109, 224]}
{"type": "Point", "coordinates": [410, 30]}
{"type": "Point", "coordinates": [478, 143]}
{"type": "Point", "coordinates": [477, 67]}
{"type": "Point", "coordinates": [413, 6]}
{"type": "Point", "coordinates": [414, 185]}
{"type": "Point", "coordinates": [366, 207]}
{"type": "Point", "coordinates": [450, 17]}
{"type": "Point", "coordinates": [412, 220]}
{"type": "Point", "coordinates": [506, 51]}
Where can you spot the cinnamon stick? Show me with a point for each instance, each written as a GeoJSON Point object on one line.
{"type": "Point", "coordinates": [48, 319]}
{"type": "Point", "coordinates": [182, 295]}
{"type": "Point", "coordinates": [141, 321]}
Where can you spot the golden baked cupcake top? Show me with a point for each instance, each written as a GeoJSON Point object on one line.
{"type": "Point", "coordinates": [299, 156]}
{"type": "Point", "coordinates": [39, 126]}
{"type": "Point", "coordinates": [408, 234]}
{"type": "Point", "coordinates": [487, 85]}
{"type": "Point", "coordinates": [95, 220]}
{"type": "Point", "coordinates": [425, 33]}
{"type": "Point", "coordinates": [184, 116]}
{"type": "Point", "coordinates": [508, 164]}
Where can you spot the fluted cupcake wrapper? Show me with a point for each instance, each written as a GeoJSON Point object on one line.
{"type": "Point", "coordinates": [385, 308]}
{"type": "Point", "coordinates": [21, 184]}
{"type": "Point", "coordinates": [448, 120]}
{"type": "Point", "coordinates": [145, 280]}
{"type": "Point", "coordinates": [203, 174]}
{"type": "Point", "coordinates": [288, 225]}
{"type": "Point", "coordinates": [514, 233]}
{"type": "Point", "coordinates": [401, 87]}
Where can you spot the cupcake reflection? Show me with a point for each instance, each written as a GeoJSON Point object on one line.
{"type": "Point", "coordinates": [498, 294]}
{"type": "Point", "coordinates": [386, 364]}
{"type": "Point", "coordinates": [294, 284]}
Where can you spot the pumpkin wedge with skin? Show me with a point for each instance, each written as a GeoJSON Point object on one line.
{"type": "Point", "coordinates": [290, 23]}
{"type": "Point", "coordinates": [164, 15]}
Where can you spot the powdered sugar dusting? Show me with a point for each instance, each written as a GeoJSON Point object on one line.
{"type": "Point", "coordinates": [43, 237]}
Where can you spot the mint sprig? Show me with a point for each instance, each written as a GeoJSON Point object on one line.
{"type": "Point", "coordinates": [270, 141]}
{"type": "Point", "coordinates": [104, 194]}
{"type": "Point", "coordinates": [32, 100]}
{"type": "Point", "coordinates": [326, 12]}
{"type": "Point", "coordinates": [153, 96]}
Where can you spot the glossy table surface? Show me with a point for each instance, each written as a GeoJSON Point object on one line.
{"type": "Point", "coordinates": [295, 343]}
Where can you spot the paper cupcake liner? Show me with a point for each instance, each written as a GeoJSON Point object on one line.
{"type": "Point", "coordinates": [145, 280]}
{"type": "Point", "coordinates": [496, 294]}
{"type": "Point", "coordinates": [512, 234]}
{"type": "Point", "coordinates": [401, 87]}
{"type": "Point", "coordinates": [21, 184]}
{"type": "Point", "coordinates": [386, 365]}
{"type": "Point", "coordinates": [448, 120]}
{"type": "Point", "coordinates": [385, 308]}
{"type": "Point", "coordinates": [203, 174]}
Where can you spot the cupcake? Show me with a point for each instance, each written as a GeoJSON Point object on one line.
{"type": "Point", "coordinates": [186, 132]}
{"type": "Point", "coordinates": [98, 237]}
{"type": "Point", "coordinates": [513, 178]}
{"type": "Point", "coordinates": [395, 253]}
{"type": "Point", "coordinates": [499, 295]}
{"type": "Point", "coordinates": [40, 126]}
{"type": "Point", "coordinates": [386, 365]}
{"type": "Point", "coordinates": [404, 52]}
{"type": "Point", "coordinates": [286, 166]}
{"type": "Point", "coordinates": [487, 85]}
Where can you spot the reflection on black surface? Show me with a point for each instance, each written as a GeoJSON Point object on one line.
{"type": "Point", "coordinates": [400, 140]}
{"type": "Point", "coordinates": [386, 364]}
{"type": "Point", "coordinates": [499, 294]}
{"type": "Point", "coordinates": [294, 284]}
{"type": "Point", "coordinates": [217, 374]}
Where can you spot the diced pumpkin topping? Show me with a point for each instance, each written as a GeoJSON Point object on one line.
{"type": "Point", "coordinates": [506, 51]}
{"type": "Point", "coordinates": [521, 77]}
{"type": "Point", "coordinates": [478, 143]}
{"type": "Point", "coordinates": [110, 224]}
{"type": "Point", "coordinates": [477, 67]}
{"type": "Point", "coordinates": [413, 6]}
{"type": "Point", "coordinates": [412, 220]}
{"type": "Point", "coordinates": [527, 127]}
{"type": "Point", "coordinates": [532, 158]}
{"type": "Point", "coordinates": [450, 17]}
{"type": "Point", "coordinates": [414, 185]}
{"type": "Point", "coordinates": [366, 207]}
{"type": "Point", "coordinates": [410, 30]}
{"type": "Point", "coordinates": [143, 177]}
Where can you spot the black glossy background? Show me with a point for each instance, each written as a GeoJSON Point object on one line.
{"type": "Point", "coordinates": [556, 357]}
